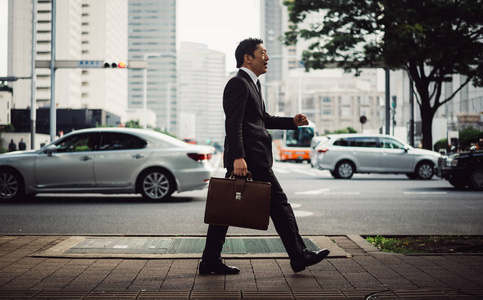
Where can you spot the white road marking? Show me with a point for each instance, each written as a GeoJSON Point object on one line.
{"type": "Point", "coordinates": [301, 213]}
{"type": "Point", "coordinates": [425, 193]}
{"type": "Point", "coordinates": [314, 192]}
{"type": "Point", "coordinates": [280, 170]}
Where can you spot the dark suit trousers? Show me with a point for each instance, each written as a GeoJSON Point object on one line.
{"type": "Point", "coordinates": [281, 214]}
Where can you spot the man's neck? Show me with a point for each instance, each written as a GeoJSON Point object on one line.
{"type": "Point", "coordinates": [253, 76]}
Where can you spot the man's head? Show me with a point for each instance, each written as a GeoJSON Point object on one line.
{"type": "Point", "coordinates": [251, 54]}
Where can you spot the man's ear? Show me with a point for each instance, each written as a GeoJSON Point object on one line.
{"type": "Point", "coordinates": [247, 58]}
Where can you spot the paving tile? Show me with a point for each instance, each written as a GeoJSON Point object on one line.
{"type": "Point", "coordinates": [181, 275]}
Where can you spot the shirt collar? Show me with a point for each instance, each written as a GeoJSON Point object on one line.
{"type": "Point", "coordinates": [252, 75]}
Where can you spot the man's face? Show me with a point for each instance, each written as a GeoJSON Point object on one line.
{"type": "Point", "coordinates": [258, 63]}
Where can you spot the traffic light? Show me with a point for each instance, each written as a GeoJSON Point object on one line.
{"type": "Point", "coordinates": [120, 65]}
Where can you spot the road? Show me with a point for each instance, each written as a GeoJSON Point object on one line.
{"type": "Point", "coordinates": [368, 204]}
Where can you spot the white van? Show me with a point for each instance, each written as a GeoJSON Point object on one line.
{"type": "Point", "coordinates": [346, 154]}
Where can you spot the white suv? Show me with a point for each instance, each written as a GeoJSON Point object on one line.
{"type": "Point", "coordinates": [346, 154]}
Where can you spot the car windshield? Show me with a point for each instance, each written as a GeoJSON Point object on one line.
{"type": "Point", "coordinates": [166, 138]}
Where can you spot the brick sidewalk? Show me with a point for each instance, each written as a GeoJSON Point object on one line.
{"type": "Point", "coordinates": [366, 272]}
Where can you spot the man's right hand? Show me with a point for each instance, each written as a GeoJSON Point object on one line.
{"type": "Point", "coordinates": [240, 167]}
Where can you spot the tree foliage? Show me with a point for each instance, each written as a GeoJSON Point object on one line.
{"type": "Point", "coordinates": [429, 39]}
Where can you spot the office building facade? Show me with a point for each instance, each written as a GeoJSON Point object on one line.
{"type": "Point", "coordinates": [85, 30]}
{"type": "Point", "coordinates": [200, 93]}
{"type": "Point", "coordinates": [152, 36]}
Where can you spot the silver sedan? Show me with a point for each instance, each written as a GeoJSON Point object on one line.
{"type": "Point", "coordinates": [107, 160]}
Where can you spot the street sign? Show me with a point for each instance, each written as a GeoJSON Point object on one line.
{"type": "Point", "coordinates": [89, 64]}
{"type": "Point", "coordinates": [85, 64]}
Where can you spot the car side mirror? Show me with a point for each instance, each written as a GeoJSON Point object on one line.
{"type": "Point", "coordinates": [406, 149]}
{"type": "Point", "coordinates": [50, 150]}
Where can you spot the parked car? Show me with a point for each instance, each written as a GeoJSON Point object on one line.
{"type": "Point", "coordinates": [463, 169]}
{"type": "Point", "coordinates": [346, 154]}
{"type": "Point", "coordinates": [107, 160]}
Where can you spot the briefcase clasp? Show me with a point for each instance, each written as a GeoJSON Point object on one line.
{"type": "Point", "coordinates": [238, 196]}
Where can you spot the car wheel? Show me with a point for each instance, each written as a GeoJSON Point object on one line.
{"type": "Point", "coordinates": [11, 185]}
{"type": "Point", "coordinates": [344, 170]}
{"type": "Point", "coordinates": [156, 184]}
{"type": "Point", "coordinates": [477, 180]}
{"type": "Point", "coordinates": [425, 170]}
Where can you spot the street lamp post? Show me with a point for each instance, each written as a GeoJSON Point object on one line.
{"type": "Point", "coordinates": [145, 84]}
{"type": "Point", "coordinates": [168, 106]}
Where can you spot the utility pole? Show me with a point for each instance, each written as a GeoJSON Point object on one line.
{"type": "Point", "coordinates": [33, 104]}
{"type": "Point", "coordinates": [388, 102]}
{"type": "Point", "coordinates": [53, 108]}
{"type": "Point", "coordinates": [411, 113]}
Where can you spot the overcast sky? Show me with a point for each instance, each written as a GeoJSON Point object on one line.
{"type": "Point", "coordinates": [220, 24]}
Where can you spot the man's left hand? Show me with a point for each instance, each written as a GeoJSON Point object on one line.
{"type": "Point", "coordinates": [300, 120]}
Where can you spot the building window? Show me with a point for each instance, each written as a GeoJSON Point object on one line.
{"type": "Point", "coordinates": [345, 99]}
{"type": "Point", "coordinates": [346, 111]}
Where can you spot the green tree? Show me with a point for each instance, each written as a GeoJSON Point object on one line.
{"type": "Point", "coordinates": [133, 124]}
{"type": "Point", "coordinates": [429, 39]}
{"type": "Point", "coordinates": [468, 136]}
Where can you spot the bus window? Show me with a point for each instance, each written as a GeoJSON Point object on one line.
{"type": "Point", "coordinates": [300, 137]}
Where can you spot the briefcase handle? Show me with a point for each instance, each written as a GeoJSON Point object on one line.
{"type": "Point", "coordinates": [249, 176]}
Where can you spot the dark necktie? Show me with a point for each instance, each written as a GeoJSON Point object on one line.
{"type": "Point", "coordinates": [260, 94]}
{"type": "Point", "coordinates": [259, 88]}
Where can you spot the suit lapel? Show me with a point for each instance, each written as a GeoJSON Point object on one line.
{"type": "Point", "coordinates": [254, 88]}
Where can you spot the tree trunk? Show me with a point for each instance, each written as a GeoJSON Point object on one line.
{"type": "Point", "coordinates": [427, 116]}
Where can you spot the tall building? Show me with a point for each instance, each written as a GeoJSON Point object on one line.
{"type": "Point", "coordinates": [200, 93]}
{"type": "Point", "coordinates": [104, 37]}
{"type": "Point", "coordinates": [272, 31]}
{"type": "Point", "coordinates": [85, 30]}
{"type": "Point", "coordinates": [152, 36]}
{"type": "Point", "coordinates": [68, 85]}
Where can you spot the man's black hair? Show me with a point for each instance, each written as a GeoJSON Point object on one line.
{"type": "Point", "coordinates": [247, 46]}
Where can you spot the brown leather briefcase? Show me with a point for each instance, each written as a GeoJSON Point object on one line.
{"type": "Point", "coordinates": [239, 202]}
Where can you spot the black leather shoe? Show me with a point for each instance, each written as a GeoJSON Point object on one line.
{"type": "Point", "coordinates": [308, 258]}
{"type": "Point", "coordinates": [217, 268]}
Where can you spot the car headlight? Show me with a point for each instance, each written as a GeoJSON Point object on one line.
{"type": "Point", "coordinates": [451, 162]}
{"type": "Point", "coordinates": [454, 163]}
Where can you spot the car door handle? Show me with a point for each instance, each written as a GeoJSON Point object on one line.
{"type": "Point", "coordinates": [85, 158]}
{"type": "Point", "coordinates": [138, 156]}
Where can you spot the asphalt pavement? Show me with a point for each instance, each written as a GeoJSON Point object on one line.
{"type": "Point", "coordinates": [47, 267]}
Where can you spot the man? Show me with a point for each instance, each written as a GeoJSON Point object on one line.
{"type": "Point", "coordinates": [248, 147]}
{"type": "Point", "coordinates": [12, 146]}
{"type": "Point", "coordinates": [21, 145]}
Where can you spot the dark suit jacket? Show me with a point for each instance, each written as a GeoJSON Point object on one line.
{"type": "Point", "coordinates": [247, 122]}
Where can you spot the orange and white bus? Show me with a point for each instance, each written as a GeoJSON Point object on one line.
{"type": "Point", "coordinates": [293, 145]}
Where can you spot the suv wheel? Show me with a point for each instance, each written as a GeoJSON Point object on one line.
{"type": "Point", "coordinates": [425, 170]}
{"type": "Point", "coordinates": [344, 170]}
{"type": "Point", "coordinates": [155, 184]}
{"type": "Point", "coordinates": [11, 185]}
{"type": "Point", "coordinates": [477, 180]}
